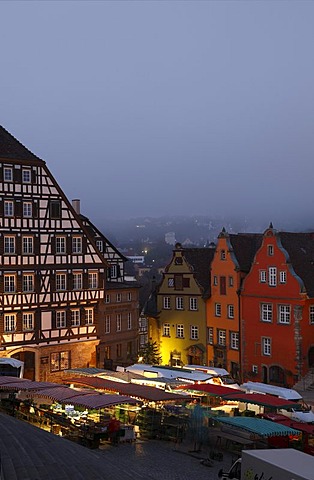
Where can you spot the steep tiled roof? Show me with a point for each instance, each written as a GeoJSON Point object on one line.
{"type": "Point", "coordinates": [200, 260]}
{"type": "Point", "coordinates": [245, 246]}
{"type": "Point", "coordinates": [12, 149]}
{"type": "Point", "coordinates": [300, 247]}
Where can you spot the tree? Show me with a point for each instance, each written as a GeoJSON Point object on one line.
{"type": "Point", "coordinates": [149, 354]}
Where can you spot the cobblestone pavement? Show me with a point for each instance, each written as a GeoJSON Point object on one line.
{"type": "Point", "coordinates": [160, 460]}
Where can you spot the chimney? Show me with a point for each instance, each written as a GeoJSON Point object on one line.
{"type": "Point", "coordinates": [76, 204]}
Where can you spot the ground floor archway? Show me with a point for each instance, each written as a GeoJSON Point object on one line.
{"type": "Point", "coordinates": [28, 358]}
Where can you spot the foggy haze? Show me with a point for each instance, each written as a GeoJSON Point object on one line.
{"type": "Point", "coordinates": [154, 108]}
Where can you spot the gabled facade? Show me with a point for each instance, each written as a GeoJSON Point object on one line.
{"type": "Point", "coordinates": [277, 309]}
{"type": "Point", "coordinates": [232, 261]}
{"type": "Point", "coordinates": [52, 276]}
{"type": "Point", "coordinates": [119, 332]}
{"type": "Point", "coordinates": [181, 303]}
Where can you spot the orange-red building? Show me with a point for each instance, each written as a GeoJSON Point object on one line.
{"type": "Point", "coordinates": [232, 261]}
{"type": "Point", "coordinates": [277, 309]}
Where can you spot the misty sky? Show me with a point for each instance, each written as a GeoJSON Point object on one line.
{"type": "Point", "coordinates": [165, 107]}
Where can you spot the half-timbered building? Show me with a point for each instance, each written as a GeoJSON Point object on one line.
{"type": "Point", "coordinates": [52, 275]}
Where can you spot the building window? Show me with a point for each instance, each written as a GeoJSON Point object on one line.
{"type": "Point", "coordinates": [107, 323]}
{"type": "Point", "coordinates": [119, 322]}
{"type": "Point", "coordinates": [223, 289]}
{"type": "Point", "coordinates": [166, 303]}
{"type": "Point", "coordinates": [266, 312]}
{"type": "Point", "coordinates": [223, 255]}
{"type": "Point", "coordinates": [77, 244]}
{"type": "Point", "coordinates": [119, 350]}
{"type": "Point", "coordinates": [272, 276]}
{"type": "Point", "coordinates": [215, 281]}
{"type": "Point", "coordinates": [27, 209]}
{"type": "Point", "coordinates": [8, 174]}
{"type": "Point", "coordinates": [107, 298]}
{"type": "Point", "coordinates": [93, 280]}
{"type": "Point", "coordinates": [60, 319]}
{"type": "Point", "coordinates": [60, 245]}
{"type": "Point", "coordinates": [28, 283]}
{"type": "Point", "coordinates": [230, 310]}
{"type": "Point", "coordinates": [9, 283]}
{"type": "Point", "coordinates": [234, 340]}
{"type": "Point", "coordinates": [129, 320]}
{"type": "Point", "coordinates": [193, 303]}
{"type": "Point", "coordinates": [230, 281]}
{"type": "Point", "coordinates": [221, 337]}
{"type": "Point", "coordinates": [99, 245]}
{"type": "Point", "coordinates": [166, 330]}
{"type": "Point", "coordinates": [107, 352]}
{"type": "Point", "coordinates": [266, 346]}
{"type": "Point", "coordinates": [210, 335]}
{"type": "Point", "coordinates": [26, 176]}
{"type": "Point", "coordinates": [55, 209]}
{"type": "Point", "coordinates": [170, 282]}
{"type": "Point", "coordinates": [254, 368]}
{"type": "Point", "coordinates": [178, 282]}
{"type": "Point", "coordinates": [311, 314]}
{"type": "Point", "coordinates": [217, 309]}
{"type": "Point", "coordinates": [60, 281]}
{"type": "Point", "coordinates": [284, 314]}
{"type": "Point", "coordinates": [9, 244]}
{"type": "Point", "coordinates": [262, 276]}
{"type": "Point", "coordinates": [89, 316]}
{"type": "Point", "coordinates": [194, 332]}
{"type": "Point", "coordinates": [179, 303]}
{"type": "Point", "coordinates": [59, 361]}
{"type": "Point", "coordinates": [283, 276]}
{"type": "Point", "coordinates": [28, 245]}
{"type": "Point", "coordinates": [129, 297]}
{"type": "Point", "coordinates": [77, 281]}
{"type": "Point", "coordinates": [75, 317]}
{"type": "Point", "coordinates": [28, 321]}
{"type": "Point", "coordinates": [270, 250]}
{"type": "Point", "coordinates": [178, 261]}
{"type": "Point", "coordinates": [180, 331]}
{"type": "Point", "coordinates": [8, 208]}
{"type": "Point", "coordinates": [119, 298]}
{"type": "Point", "coordinates": [10, 322]}
{"type": "Point", "coordinates": [113, 271]}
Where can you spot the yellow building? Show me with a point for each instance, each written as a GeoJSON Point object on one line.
{"type": "Point", "coordinates": [181, 306]}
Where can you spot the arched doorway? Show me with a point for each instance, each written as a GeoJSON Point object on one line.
{"type": "Point", "coordinates": [29, 363]}
{"type": "Point", "coordinates": [277, 375]}
{"type": "Point", "coordinates": [311, 357]}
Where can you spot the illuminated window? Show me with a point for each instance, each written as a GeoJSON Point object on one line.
{"type": "Point", "coordinates": [59, 361]}
{"type": "Point", "coordinates": [166, 330]}
{"type": "Point", "coordinates": [75, 317]}
{"type": "Point", "coordinates": [28, 321]}
{"type": "Point", "coordinates": [180, 331]}
{"type": "Point", "coordinates": [89, 316]}
{"type": "Point", "coordinates": [10, 322]}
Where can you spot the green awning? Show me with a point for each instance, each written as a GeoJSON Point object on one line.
{"type": "Point", "coordinates": [259, 426]}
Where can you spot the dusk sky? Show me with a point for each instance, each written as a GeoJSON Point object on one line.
{"type": "Point", "coordinates": [166, 107]}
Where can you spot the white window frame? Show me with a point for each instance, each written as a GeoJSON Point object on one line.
{"type": "Point", "coordinates": [230, 281]}
{"type": "Point", "coordinates": [180, 330]}
{"type": "Point", "coordinates": [77, 245]}
{"type": "Point", "coordinates": [8, 208]}
{"type": "Point", "coordinates": [210, 335]}
{"type": "Point", "coordinates": [28, 321]}
{"type": "Point", "coordinates": [107, 298]}
{"type": "Point", "coordinates": [262, 276]}
{"type": "Point", "coordinates": [129, 321]}
{"type": "Point", "coordinates": [223, 255]}
{"type": "Point", "coordinates": [215, 280]}
{"type": "Point", "coordinates": [272, 276]}
{"type": "Point", "coordinates": [28, 245]}
{"type": "Point", "coordinates": [311, 314]}
{"type": "Point", "coordinates": [89, 316]}
{"type": "Point", "coordinates": [7, 174]}
{"type": "Point", "coordinates": [222, 337]}
{"type": "Point", "coordinates": [27, 209]}
{"type": "Point", "coordinates": [171, 282]}
{"type": "Point", "coordinates": [194, 332]}
{"type": "Point", "coordinates": [217, 309]}
{"type": "Point", "coordinates": [60, 245]}
{"type": "Point", "coordinates": [266, 312]}
{"type": "Point", "coordinates": [234, 340]}
{"type": "Point", "coordinates": [179, 303]}
{"type": "Point", "coordinates": [10, 322]}
{"type": "Point", "coordinates": [119, 322]}
{"type": "Point", "coordinates": [61, 282]}
{"type": "Point", "coordinates": [284, 314]}
{"type": "Point", "coordinates": [9, 244]}
{"type": "Point", "coordinates": [283, 277]}
{"type": "Point", "coordinates": [9, 283]}
{"type": "Point", "coordinates": [230, 311]}
{"type": "Point", "coordinates": [113, 271]}
{"type": "Point", "coordinates": [28, 282]}
{"type": "Point", "coordinates": [129, 296]}
{"type": "Point", "coordinates": [99, 245]}
{"type": "Point", "coordinates": [107, 323]}
{"type": "Point", "coordinates": [166, 330]}
{"type": "Point", "coordinates": [60, 319]}
{"type": "Point", "coordinates": [92, 280]}
{"type": "Point", "coordinates": [193, 304]}
{"type": "Point", "coordinates": [118, 297]}
{"type": "Point", "coordinates": [26, 175]}
{"type": "Point", "coordinates": [254, 368]}
{"type": "Point", "coordinates": [266, 346]}
{"type": "Point", "coordinates": [166, 303]}
{"type": "Point", "coordinates": [77, 281]}
{"type": "Point", "coordinates": [75, 317]}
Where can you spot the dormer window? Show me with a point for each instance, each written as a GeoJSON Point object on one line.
{"type": "Point", "coordinates": [178, 261]}
{"type": "Point", "coordinates": [270, 250]}
{"type": "Point", "coordinates": [223, 255]}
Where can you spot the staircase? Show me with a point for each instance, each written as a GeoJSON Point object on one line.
{"type": "Point", "coordinates": [306, 383]}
